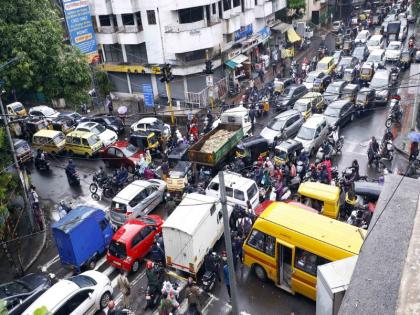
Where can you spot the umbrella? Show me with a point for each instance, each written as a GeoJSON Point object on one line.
{"type": "Point", "coordinates": [414, 136]}
{"type": "Point", "coordinates": [122, 110]}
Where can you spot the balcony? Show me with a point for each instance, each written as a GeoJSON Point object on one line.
{"type": "Point", "coordinates": [231, 25]}
{"type": "Point", "coordinates": [106, 35]}
{"type": "Point", "coordinates": [183, 39]}
{"type": "Point", "coordinates": [100, 7]}
{"type": "Point", "coordinates": [130, 38]}
{"type": "Point", "coordinates": [123, 6]}
{"type": "Point", "coordinates": [174, 5]}
{"type": "Point", "coordinates": [262, 11]}
{"type": "Point", "coordinates": [279, 5]}
{"type": "Point", "coordinates": [129, 29]}
{"type": "Point", "coordinates": [186, 27]}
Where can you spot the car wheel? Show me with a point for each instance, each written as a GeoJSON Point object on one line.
{"type": "Point", "coordinates": [105, 298]}
{"type": "Point", "coordinates": [95, 196]}
{"type": "Point", "coordinates": [260, 272]}
{"type": "Point", "coordinates": [135, 266]}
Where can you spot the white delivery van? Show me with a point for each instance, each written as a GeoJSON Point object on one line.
{"type": "Point", "coordinates": [239, 190]}
{"type": "Point", "coordinates": [191, 231]}
{"type": "Point", "coordinates": [238, 116]}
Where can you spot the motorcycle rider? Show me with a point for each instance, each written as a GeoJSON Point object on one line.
{"type": "Point", "coordinates": [212, 264]}
{"type": "Point", "coordinates": [395, 109]}
{"type": "Point", "coordinates": [313, 173]}
{"type": "Point", "coordinates": [355, 167]}
{"type": "Point", "coordinates": [122, 176]}
{"type": "Point", "coordinates": [40, 158]}
{"type": "Point", "coordinates": [323, 174]}
{"type": "Point", "coordinates": [192, 292]}
{"type": "Point", "coordinates": [387, 136]}
{"type": "Point", "coordinates": [154, 277]}
{"type": "Point", "coordinates": [71, 169]}
{"type": "Point", "coordinates": [372, 150]}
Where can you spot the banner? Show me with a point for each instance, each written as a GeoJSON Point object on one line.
{"type": "Point", "coordinates": [79, 24]}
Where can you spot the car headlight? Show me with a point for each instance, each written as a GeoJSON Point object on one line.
{"type": "Point", "coordinates": [382, 94]}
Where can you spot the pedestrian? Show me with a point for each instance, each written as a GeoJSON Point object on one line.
{"type": "Point", "coordinates": [111, 308]}
{"type": "Point", "coordinates": [252, 117]}
{"type": "Point", "coordinates": [226, 277]}
{"type": "Point", "coordinates": [192, 292]}
{"type": "Point", "coordinates": [124, 286]}
{"type": "Point", "coordinates": [165, 306]}
{"type": "Point", "coordinates": [261, 75]}
{"type": "Point", "coordinates": [110, 106]}
{"type": "Point", "coordinates": [34, 201]}
{"type": "Point", "coordinates": [414, 151]}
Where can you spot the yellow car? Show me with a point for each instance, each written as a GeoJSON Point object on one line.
{"type": "Point", "coordinates": [309, 103]}
{"type": "Point", "coordinates": [83, 143]}
{"type": "Point", "coordinates": [326, 65]}
{"type": "Point", "coordinates": [51, 141]}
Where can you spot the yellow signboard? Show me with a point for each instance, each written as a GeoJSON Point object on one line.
{"type": "Point", "coordinates": [122, 68]}
{"type": "Point", "coordinates": [155, 70]}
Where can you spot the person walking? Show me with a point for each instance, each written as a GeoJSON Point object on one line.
{"type": "Point", "coordinates": [34, 201]}
{"type": "Point", "coordinates": [192, 292]}
{"type": "Point", "coordinates": [109, 105]}
{"type": "Point", "coordinates": [252, 118]}
{"type": "Point", "coordinates": [414, 151]}
{"type": "Point", "coordinates": [124, 286]}
{"type": "Point", "coordinates": [226, 276]}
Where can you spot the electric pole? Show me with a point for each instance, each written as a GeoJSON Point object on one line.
{"type": "Point", "coordinates": [228, 243]}
{"type": "Point", "coordinates": [166, 78]}
{"type": "Point", "coordinates": [209, 78]}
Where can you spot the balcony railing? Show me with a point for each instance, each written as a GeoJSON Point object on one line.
{"type": "Point", "coordinates": [106, 29]}
{"type": "Point", "coordinates": [188, 27]}
{"type": "Point", "coordinates": [129, 28]}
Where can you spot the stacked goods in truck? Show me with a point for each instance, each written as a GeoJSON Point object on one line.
{"type": "Point", "coordinates": [216, 140]}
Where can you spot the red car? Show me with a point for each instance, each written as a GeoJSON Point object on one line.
{"type": "Point", "coordinates": [121, 153]}
{"type": "Point", "coordinates": [133, 241]}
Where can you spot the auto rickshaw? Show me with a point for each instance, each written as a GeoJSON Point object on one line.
{"type": "Point", "coordinates": [350, 92]}
{"type": "Point", "coordinates": [286, 151]}
{"type": "Point", "coordinates": [349, 75]}
{"type": "Point", "coordinates": [179, 153]}
{"type": "Point", "coordinates": [339, 41]}
{"type": "Point", "coordinates": [32, 126]}
{"type": "Point", "coordinates": [178, 178]}
{"type": "Point", "coordinates": [322, 197]}
{"type": "Point", "coordinates": [365, 99]}
{"type": "Point", "coordinates": [281, 83]}
{"type": "Point", "coordinates": [405, 59]}
{"type": "Point", "coordinates": [145, 140]}
{"type": "Point", "coordinates": [62, 124]}
{"type": "Point", "coordinates": [251, 148]}
{"type": "Point", "coordinates": [319, 86]}
{"type": "Point", "coordinates": [367, 71]}
{"type": "Point", "coordinates": [347, 46]}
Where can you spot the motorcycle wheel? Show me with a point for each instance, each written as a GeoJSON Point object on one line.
{"type": "Point", "coordinates": [95, 196]}
{"type": "Point", "coordinates": [93, 188]}
{"type": "Point", "coordinates": [388, 123]}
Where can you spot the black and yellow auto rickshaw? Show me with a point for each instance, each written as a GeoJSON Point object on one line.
{"type": "Point", "coordinates": [179, 153]}
{"type": "Point", "coordinates": [347, 45]}
{"type": "Point", "coordinates": [145, 140]}
{"type": "Point", "coordinates": [349, 75]}
{"type": "Point", "coordinates": [251, 148]}
{"type": "Point", "coordinates": [405, 59]}
{"type": "Point", "coordinates": [178, 179]}
{"type": "Point", "coordinates": [280, 84]}
{"type": "Point", "coordinates": [366, 71]}
{"type": "Point", "coordinates": [339, 41]}
{"type": "Point", "coordinates": [62, 124]}
{"type": "Point", "coordinates": [350, 92]}
{"type": "Point", "coordinates": [286, 151]}
{"type": "Point", "coordinates": [365, 99]}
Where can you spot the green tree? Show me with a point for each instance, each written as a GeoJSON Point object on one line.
{"type": "Point", "coordinates": [103, 83]}
{"type": "Point", "coordinates": [416, 8]}
{"type": "Point", "coordinates": [32, 29]}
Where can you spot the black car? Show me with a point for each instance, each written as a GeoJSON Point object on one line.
{"type": "Point", "coordinates": [21, 293]}
{"type": "Point", "coordinates": [339, 113]}
{"type": "Point", "coordinates": [334, 91]}
{"type": "Point", "coordinates": [110, 122]}
{"type": "Point", "coordinates": [289, 96]}
{"type": "Point", "coordinates": [345, 62]}
{"type": "Point", "coordinates": [73, 117]}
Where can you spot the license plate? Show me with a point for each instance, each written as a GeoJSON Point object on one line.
{"type": "Point", "coordinates": [117, 263]}
{"type": "Point", "coordinates": [147, 297]}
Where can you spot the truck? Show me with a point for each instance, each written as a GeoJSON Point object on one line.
{"type": "Point", "coordinates": [191, 231]}
{"type": "Point", "coordinates": [215, 145]}
{"type": "Point", "coordinates": [81, 237]}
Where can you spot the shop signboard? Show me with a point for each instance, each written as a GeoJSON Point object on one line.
{"type": "Point", "coordinates": [148, 95]}
{"type": "Point", "coordinates": [243, 32]}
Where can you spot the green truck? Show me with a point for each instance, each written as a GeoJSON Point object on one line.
{"type": "Point", "coordinates": [215, 145]}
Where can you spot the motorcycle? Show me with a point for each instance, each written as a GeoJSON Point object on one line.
{"type": "Point", "coordinates": [209, 276]}
{"type": "Point", "coordinates": [42, 165]}
{"type": "Point", "coordinates": [359, 218]}
{"type": "Point", "coordinates": [172, 289]}
{"type": "Point", "coordinates": [387, 150]}
{"type": "Point", "coordinates": [335, 147]}
{"type": "Point", "coordinates": [395, 72]}
{"type": "Point", "coordinates": [394, 115]}
{"type": "Point", "coordinates": [280, 192]}
{"type": "Point", "coordinates": [99, 181]}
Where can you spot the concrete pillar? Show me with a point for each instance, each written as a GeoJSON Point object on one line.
{"type": "Point", "coordinates": [124, 53]}
{"type": "Point", "coordinates": [154, 85]}
{"type": "Point", "coordinates": [119, 20]}
{"type": "Point", "coordinates": [129, 84]}
{"type": "Point", "coordinates": [103, 53]}
{"type": "Point", "coordinates": [184, 79]}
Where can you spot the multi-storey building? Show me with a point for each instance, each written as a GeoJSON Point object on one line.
{"type": "Point", "coordinates": [135, 36]}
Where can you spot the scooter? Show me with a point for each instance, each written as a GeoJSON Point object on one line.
{"type": "Point", "coordinates": [387, 150]}
{"type": "Point", "coordinates": [42, 165]}
{"type": "Point", "coordinates": [395, 114]}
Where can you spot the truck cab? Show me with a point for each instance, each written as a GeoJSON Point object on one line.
{"type": "Point", "coordinates": [238, 116]}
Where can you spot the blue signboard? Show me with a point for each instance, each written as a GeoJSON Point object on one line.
{"type": "Point", "coordinates": [79, 24]}
{"type": "Point", "coordinates": [244, 31]}
{"type": "Point", "coordinates": [148, 95]}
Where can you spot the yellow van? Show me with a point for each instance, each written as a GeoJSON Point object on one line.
{"type": "Point", "coordinates": [83, 143]}
{"type": "Point", "coordinates": [309, 103]}
{"type": "Point", "coordinates": [51, 141]}
{"type": "Point", "coordinates": [16, 109]}
{"type": "Point", "coordinates": [322, 197]}
{"type": "Point", "coordinates": [288, 243]}
{"type": "Point", "coordinates": [326, 64]}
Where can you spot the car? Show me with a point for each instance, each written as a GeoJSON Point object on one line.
{"type": "Point", "coordinates": [151, 124]}
{"type": "Point", "coordinates": [80, 294]}
{"type": "Point", "coordinates": [43, 111]}
{"type": "Point", "coordinates": [74, 117]}
{"type": "Point", "coordinates": [381, 81]}
{"type": "Point", "coordinates": [289, 96]}
{"type": "Point", "coordinates": [377, 41]}
{"type": "Point", "coordinates": [403, 30]}
{"type": "Point", "coordinates": [337, 25]}
{"type": "Point", "coordinates": [105, 135]}
{"type": "Point", "coordinates": [337, 55]}
{"type": "Point", "coordinates": [345, 62]}
{"type": "Point", "coordinates": [20, 293]}
{"type": "Point", "coordinates": [361, 53]}
{"type": "Point", "coordinates": [23, 150]}
{"type": "Point", "coordinates": [285, 125]}
{"type": "Point", "coordinates": [362, 37]}
{"type": "Point", "coordinates": [311, 102]}
{"type": "Point", "coordinates": [110, 122]}
{"type": "Point", "coordinates": [281, 83]}
{"type": "Point", "coordinates": [313, 76]}
{"type": "Point", "coordinates": [132, 241]}
{"type": "Point", "coordinates": [334, 91]}
{"type": "Point", "coordinates": [339, 113]}
{"type": "Point", "coordinates": [121, 153]}
{"type": "Point", "coordinates": [377, 56]}
{"type": "Point", "coordinates": [312, 133]}
{"type": "Point", "coordinates": [393, 51]}
{"type": "Point", "coordinates": [137, 199]}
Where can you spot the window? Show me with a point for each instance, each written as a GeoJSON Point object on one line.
{"type": "Point", "coordinates": [113, 53]}
{"type": "Point", "coordinates": [118, 153]}
{"type": "Point", "coordinates": [252, 191]}
{"type": "Point", "coordinates": [105, 20]}
{"type": "Point", "coordinates": [103, 224]}
{"type": "Point", "coordinates": [76, 141]}
{"type": "Point", "coordinates": [227, 5]}
{"type": "Point", "coordinates": [127, 19]}
{"type": "Point", "coordinates": [229, 192]}
{"type": "Point", "coordinates": [83, 281]}
{"type": "Point", "coordinates": [308, 262]}
{"type": "Point", "coordinates": [146, 232]}
{"type": "Point", "coordinates": [212, 209]}
{"type": "Point", "coordinates": [236, 3]}
{"type": "Point", "coordinates": [136, 239]}
{"type": "Point", "coordinates": [219, 216]}
{"type": "Point", "coordinates": [111, 151]}
{"type": "Point", "coordinates": [151, 17]}
{"type": "Point", "coordinates": [213, 8]}
{"type": "Point", "coordinates": [263, 242]}
{"type": "Point", "coordinates": [74, 302]}
{"type": "Point", "coordinates": [139, 22]}
{"type": "Point", "coordinates": [191, 15]}
{"type": "Point", "coordinates": [214, 186]}
{"type": "Point", "coordinates": [85, 142]}
{"type": "Point", "coordinates": [239, 194]}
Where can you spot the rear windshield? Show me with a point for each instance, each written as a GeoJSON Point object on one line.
{"type": "Point", "coordinates": [93, 139]}
{"type": "Point", "coordinates": [118, 207]}
{"type": "Point", "coordinates": [83, 281]}
{"type": "Point", "coordinates": [117, 249]}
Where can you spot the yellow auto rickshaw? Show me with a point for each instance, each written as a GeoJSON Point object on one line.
{"type": "Point", "coordinates": [145, 140]}
{"type": "Point", "coordinates": [367, 71]}
{"type": "Point", "coordinates": [321, 197]}
{"type": "Point", "coordinates": [286, 151]}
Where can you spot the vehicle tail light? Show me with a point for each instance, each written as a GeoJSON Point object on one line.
{"type": "Point", "coordinates": [191, 269]}
{"type": "Point", "coordinates": [169, 260]}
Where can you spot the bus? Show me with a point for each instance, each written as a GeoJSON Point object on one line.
{"type": "Point", "coordinates": [288, 243]}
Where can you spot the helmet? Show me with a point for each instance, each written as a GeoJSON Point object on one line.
{"type": "Point", "coordinates": [70, 161]}
{"type": "Point", "coordinates": [373, 139]}
{"type": "Point", "coordinates": [149, 265]}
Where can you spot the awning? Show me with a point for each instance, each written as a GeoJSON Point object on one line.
{"type": "Point", "coordinates": [282, 27]}
{"type": "Point", "coordinates": [230, 64]}
{"type": "Point", "coordinates": [236, 62]}
{"type": "Point", "coordinates": [239, 59]}
{"type": "Point", "coordinates": [292, 35]}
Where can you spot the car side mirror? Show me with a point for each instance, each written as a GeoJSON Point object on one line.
{"type": "Point", "coordinates": [90, 295]}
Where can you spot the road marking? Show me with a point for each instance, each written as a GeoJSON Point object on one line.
{"type": "Point", "coordinates": [108, 270]}
{"type": "Point", "coordinates": [100, 262]}
{"type": "Point", "coordinates": [45, 267]}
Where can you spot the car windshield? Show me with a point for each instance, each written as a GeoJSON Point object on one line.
{"type": "Point", "coordinates": [332, 111]}
{"type": "Point", "coordinates": [117, 249]}
{"type": "Point", "coordinates": [337, 55]}
{"type": "Point", "coordinates": [345, 62]}
{"type": "Point", "coordinates": [301, 106]}
{"type": "Point", "coordinates": [18, 108]}
{"type": "Point", "coordinates": [93, 139]}
{"type": "Point", "coordinates": [311, 77]}
{"type": "Point", "coordinates": [98, 129]}
{"type": "Point", "coordinates": [373, 42]}
{"type": "Point", "coordinates": [129, 150]}
{"type": "Point", "coordinates": [281, 154]}
{"type": "Point", "coordinates": [306, 133]}
{"type": "Point", "coordinates": [148, 220]}
{"type": "Point", "coordinates": [276, 124]}
{"type": "Point", "coordinates": [83, 281]}
{"type": "Point", "coordinates": [58, 138]}
{"type": "Point", "coordinates": [288, 91]}
{"type": "Point", "coordinates": [378, 82]}
{"type": "Point", "coordinates": [365, 70]}
{"type": "Point", "coordinates": [322, 66]}
{"type": "Point", "coordinates": [374, 58]}
{"type": "Point", "coordinates": [394, 46]}
{"type": "Point", "coordinates": [12, 288]}
{"type": "Point", "coordinates": [361, 97]}
{"type": "Point", "coordinates": [332, 89]}
{"type": "Point", "coordinates": [358, 52]}
{"type": "Point", "coordinates": [118, 207]}
{"type": "Point", "coordinates": [48, 111]}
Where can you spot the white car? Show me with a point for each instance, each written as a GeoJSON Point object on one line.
{"type": "Point", "coordinates": [152, 124]}
{"type": "Point", "coordinates": [393, 51]}
{"type": "Point", "coordinates": [312, 133]}
{"type": "Point", "coordinates": [43, 111]}
{"type": "Point", "coordinates": [362, 37]}
{"type": "Point", "coordinates": [88, 291]}
{"type": "Point", "coordinates": [375, 42]}
{"type": "Point", "coordinates": [381, 82]}
{"type": "Point", "coordinates": [105, 135]}
{"type": "Point", "coordinates": [377, 57]}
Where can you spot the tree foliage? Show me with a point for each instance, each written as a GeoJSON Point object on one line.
{"type": "Point", "coordinates": [103, 83]}
{"type": "Point", "coordinates": [33, 30]}
{"type": "Point", "coordinates": [416, 8]}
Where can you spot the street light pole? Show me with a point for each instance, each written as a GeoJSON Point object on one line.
{"type": "Point", "coordinates": [228, 243]}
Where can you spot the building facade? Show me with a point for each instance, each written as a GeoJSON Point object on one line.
{"type": "Point", "coordinates": [136, 36]}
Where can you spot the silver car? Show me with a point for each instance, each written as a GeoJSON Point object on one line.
{"type": "Point", "coordinates": [285, 125]}
{"type": "Point", "coordinates": [312, 133]}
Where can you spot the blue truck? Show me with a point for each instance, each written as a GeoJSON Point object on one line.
{"type": "Point", "coordinates": [82, 236]}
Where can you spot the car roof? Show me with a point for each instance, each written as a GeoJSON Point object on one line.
{"type": "Point", "coordinates": [120, 144]}
{"type": "Point", "coordinates": [338, 104]}
{"type": "Point", "coordinates": [377, 36]}
{"type": "Point", "coordinates": [382, 73]}
{"type": "Point", "coordinates": [364, 32]}
{"type": "Point", "coordinates": [47, 133]}
{"type": "Point", "coordinates": [148, 120]}
{"type": "Point", "coordinates": [130, 191]}
{"type": "Point", "coordinates": [338, 83]}
{"type": "Point", "coordinates": [41, 108]}
{"type": "Point", "coordinates": [81, 134]}
{"type": "Point", "coordinates": [311, 95]}
{"type": "Point", "coordinates": [87, 124]}
{"type": "Point", "coordinates": [377, 52]}
{"type": "Point", "coordinates": [286, 114]}
{"type": "Point", "coordinates": [314, 121]}
{"type": "Point", "coordinates": [394, 42]}
{"type": "Point", "coordinates": [128, 230]}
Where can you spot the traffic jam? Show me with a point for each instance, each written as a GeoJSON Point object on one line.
{"type": "Point", "coordinates": [139, 224]}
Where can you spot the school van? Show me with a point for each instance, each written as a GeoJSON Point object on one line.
{"type": "Point", "coordinates": [50, 141]}
{"type": "Point", "coordinates": [16, 109]}
{"type": "Point", "coordinates": [239, 190]}
{"type": "Point", "coordinates": [83, 143]}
